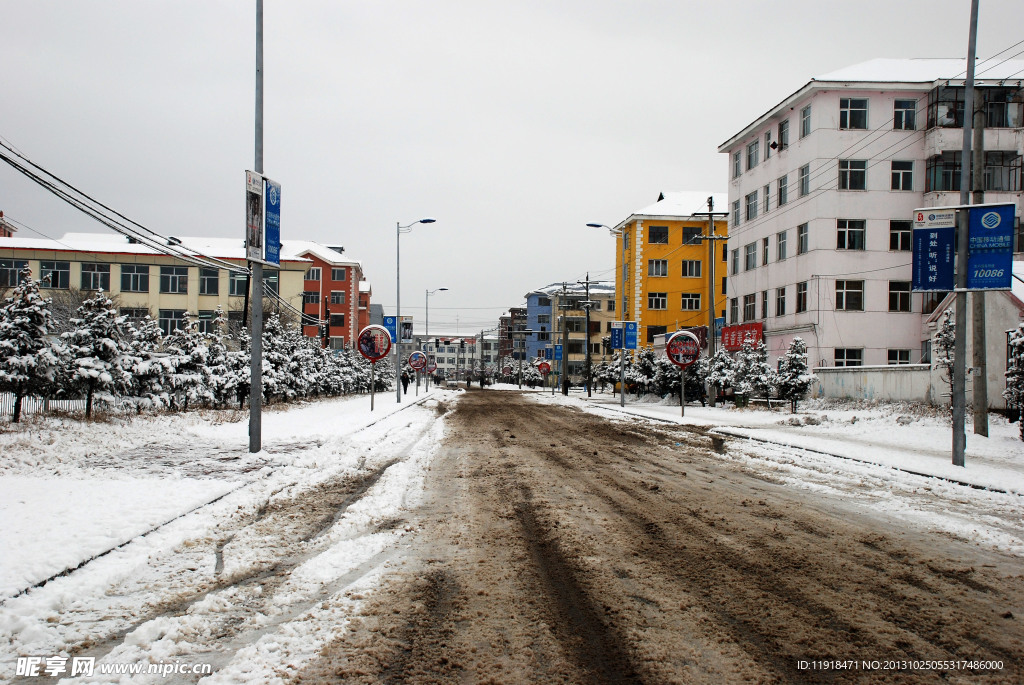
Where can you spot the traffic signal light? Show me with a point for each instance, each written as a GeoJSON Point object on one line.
{"type": "Point", "coordinates": [462, 344]}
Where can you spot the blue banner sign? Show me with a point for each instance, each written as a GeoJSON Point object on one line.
{"type": "Point", "coordinates": [933, 259]}
{"type": "Point", "coordinates": [558, 353]}
{"type": "Point", "coordinates": [391, 323]}
{"type": "Point", "coordinates": [549, 353]}
{"type": "Point", "coordinates": [616, 335]}
{"type": "Point", "coordinates": [632, 329]}
{"type": "Point", "coordinates": [272, 217]}
{"type": "Point", "coordinates": [990, 245]}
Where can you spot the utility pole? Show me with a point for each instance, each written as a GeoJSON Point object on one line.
{"type": "Point", "coordinates": [587, 304]}
{"type": "Point", "coordinates": [565, 341]}
{"type": "Point", "coordinates": [256, 348]}
{"type": "Point", "coordinates": [960, 339]}
{"type": "Point", "coordinates": [712, 240]}
{"type": "Point", "coordinates": [978, 298]}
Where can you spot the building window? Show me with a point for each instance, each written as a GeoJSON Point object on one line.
{"type": "Point", "coordinates": [735, 262]}
{"type": "Point", "coordinates": [543, 301]}
{"type": "Point", "coordinates": [10, 272]}
{"type": "Point", "coordinates": [95, 276]}
{"type": "Point", "coordinates": [783, 190]}
{"type": "Point", "coordinates": [802, 240]}
{"type": "Point", "coordinates": [751, 206]}
{"type": "Point", "coordinates": [767, 192]}
{"type": "Point", "coordinates": [657, 300]}
{"type": "Point", "coordinates": [1003, 107]}
{"type": "Point", "coordinates": [56, 275]}
{"type": "Point", "coordinates": [853, 174]}
{"type": "Point", "coordinates": [174, 279]}
{"type": "Point", "coordinates": [723, 290]}
{"type": "Point", "coordinates": [897, 357]}
{"type": "Point", "coordinates": [691, 235]}
{"type": "Point", "coordinates": [780, 302]}
{"type": "Point", "coordinates": [902, 175]}
{"type": "Point", "coordinates": [734, 310]}
{"type": "Point", "coordinates": [338, 320]}
{"type": "Point", "coordinates": [946, 107]}
{"type": "Point", "coordinates": [338, 274]}
{"type": "Point", "coordinates": [611, 306]}
{"type": "Point", "coordinates": [753, 151]}
{"type": "Point", "coordinates": [899, 296]}
{"type": "Point", "coordinates": [853, 113]}
{"type": "Point", "coordinates": [801, 297]}
{"type": "Point", "coordinates": [805, 180]}
{"type": "Point", "coordinates": [749, 307]}
{"type": "Point", "coordinates": [805, 121]}
{"type": "Point", "coordinates": [272, 283]}
{"type": "Point", "coordinates": [737, 163]}
{"type": "Point", "coordinates": [691, 268]}
{"type": "Point", "coordinates": [764, 304]}
{"type": "Point", "coordinates": [337, 297]}
{"type": "Point", "coordinates": [749, 256]}
{"type": "Point", "coordinates": [135, 315]}
{"type": "Point", "coordinates": [657, 235]}
{"type": "Point", "coordinates": [904, 115]}
{"type": "Point", "coordinates": [135, 278]}
{"type": "Point", "coordinates": [735, 213]}
{"type": "Point", "coordinates": [311, 297]}
{"type": "Point", "coordinates": [780, 245]}
{"type": "Point", "coordinates": [849, 356]}
{"type": "Point", "coordinates": [690, 302]}
{"type": "Point", "coordinates": [209, 281]}
{"type": "Point", "coordinates": [850, 234]}
{"type": "Point", "coordinates": [657, 267]}
{"type": "Point", "coordinates": [171, 320]}
{"type": "Point", "coordinates": [1003, 171]}
{"type": "Point", "coordinates": [238, 284]}
{"type": "Point", "coordinates": [783, 135]}
{"type": "Point", "coordinates": [942, 172]}
{"type": "Point", "coordinates": [313, 274]}
{"type": "Point", "coordinates": [544, 318]}
{"type": "Point", "coordinates": [899, 235]}
{"type": "Point", "coordinates": [207, 322]}
{"type": "Point", "coordinates": [850, 296]}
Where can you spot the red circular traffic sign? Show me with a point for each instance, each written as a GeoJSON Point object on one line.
{"type": "Point", "coordinates": [374, 342]}
{"type": "Point", "coordinates": [431, 367]}
{"type": "Point", "coordinates": [417, 360]}
{"type": "Point", "coordinates": [507, 370]}
{"type": "Point", "coordinates": [544, 367]}
{"type": "Point", "coordinates": [683, 349]}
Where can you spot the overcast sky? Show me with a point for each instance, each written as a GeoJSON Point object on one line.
{"type": "Point", "coordinates": [514, 123]}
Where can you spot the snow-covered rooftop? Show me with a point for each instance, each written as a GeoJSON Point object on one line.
{"type": "Point", "coordinates": [684, 204]}
{"type": "Point", "coordinates": [596, 288]}
{"type": "Point", "coordinates": [223, 248]}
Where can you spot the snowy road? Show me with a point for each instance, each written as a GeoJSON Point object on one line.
{"type": "Point", "coordinates": [500, 537]}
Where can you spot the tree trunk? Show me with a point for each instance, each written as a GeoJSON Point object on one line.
{"type": "Point", "coordinates": [18, 395]}
{"type": "Point", "coordinates": [88, 401]}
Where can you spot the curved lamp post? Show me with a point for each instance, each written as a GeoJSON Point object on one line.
{"type": "Point", "coordinates": [426, 315]}
{"type": "Point", "coordinates": [622, 355]}
{"type": "Point", "coordinates": [399, 230]}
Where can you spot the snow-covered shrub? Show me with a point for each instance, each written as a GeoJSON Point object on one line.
{"type": "Point", "coordinates": [94, 350]}
{"type": "Point", "coordinates": [27, 361]}
{"type": "Point", "coordinates": [1014, 392]}
{"type": "Point", "coordinates": [794, 377]}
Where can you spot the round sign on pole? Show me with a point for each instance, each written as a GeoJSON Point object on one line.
{"type": "Point", "coordinates": [374, 343]}
{"type": "Point", "coordinates": [418, 360]}
{"type": "Point", "coordinates": [544, 367]}
{"type": "Point", "coordinates": [683, 349]}
{"type": "Point", "coordinates": [507, 370]}
{"type": "Point", "coordinates": [431, 367]}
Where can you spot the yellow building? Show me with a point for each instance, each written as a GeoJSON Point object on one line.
{"type": "Point", "coordinates": [669, 268]}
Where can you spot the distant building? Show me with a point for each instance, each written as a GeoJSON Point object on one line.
{"type": "Point", "coordinates": [6, 229]}
{"type": "Point", "coordinates": [821, 193]}
{"type": "Point", "coordinates": [334, 291]}
{"type": "Point", "coordinates": [552, 311]}
{"type": "Point", "coordinates": [510, 345]}
{"type": "Point", "coordinates": [669, 269]}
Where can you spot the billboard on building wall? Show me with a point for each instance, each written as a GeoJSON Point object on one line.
{"type": "Point", "coordinates": [733, 336]}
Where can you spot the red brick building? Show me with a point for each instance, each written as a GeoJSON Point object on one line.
{"type": "Point", "coordinates": [334, 291]}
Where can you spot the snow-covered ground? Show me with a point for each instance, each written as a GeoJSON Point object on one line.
{"type": "Point", "coordinates": [146, 502]}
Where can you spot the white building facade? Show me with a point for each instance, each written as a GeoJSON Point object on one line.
{"type": "Point", "coordinates": [822, 189]}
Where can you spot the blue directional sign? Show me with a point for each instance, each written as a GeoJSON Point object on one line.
{"type": "Point", "coordinates": [631, 334]}
{"type": "Point", "coordinates": [933, 255]}
{"type": "Point", "coordinates": [558, 353]}
{"type": "Point", "coordinates": [549, 353]}
{"type": "Point", "coordinates": [391, 323]}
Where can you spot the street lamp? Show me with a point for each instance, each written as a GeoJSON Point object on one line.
{"type": "Point", "coordinates": [426, 315]}
{"type": "Point", "coordinates": [399, 230]}
{"type": "Point", "coordinates": [625, 272]}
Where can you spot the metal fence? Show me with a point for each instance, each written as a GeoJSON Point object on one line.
{"type": "Point", "coordinates": [32, 405]}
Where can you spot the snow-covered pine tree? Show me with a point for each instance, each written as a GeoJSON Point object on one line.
{"type": "Point", "coordinates": [667, 377]}
{"type": "Point", "coordinates": [27, 361]}
{"type": "Point", "coordinates": [239, 378]}
{"type": "Point", "coordinates": [191, 376]}
{"type": "Point", "coordinates": [150, 367]}
{"type": "Point", "coordinates": [640, 374]}
{"type": "Point", "coordinates": [794, 376]}
{"type": "Point", "coordinates": [94, 351]}
{"type": "Point", "coordinates": [1014, 392]}
{"type": "Point", "coordinates": [763, 378]}
{"type": "Point", "coordinates": [742, 379]}
{"type": "Point", "coordinates": [945, 341]}
{"type": "Point", "coordinates": [720, 370]}
{"type": "Point", "coordinates": [220, 387]}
